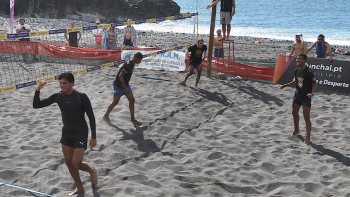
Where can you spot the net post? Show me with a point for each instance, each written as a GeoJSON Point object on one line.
{"type": "Point", "coordinates": [197, 25]}
{"type": "Point", "coordinates": [211, 40]}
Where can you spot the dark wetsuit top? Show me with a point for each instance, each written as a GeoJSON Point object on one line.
{"type": "Point", "coordinates": [73, 108]}
{"type": "Point", "coordinates": [226, 6]}
{"type": "Point", "coordinates": [196, 53]}
{"type": "Point", "coordinates": [127, 69]}
{"type": "Point", "coordinates": [305, 79]}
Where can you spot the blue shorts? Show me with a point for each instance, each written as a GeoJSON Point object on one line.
{"type": "Point", "coordinates": [119, 91]}
{"type": "Point", "coordinates": [218, 53]}
{"type": "Point", "coordinates": [195, 64]}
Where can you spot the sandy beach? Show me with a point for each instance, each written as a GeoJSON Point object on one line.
{"type": "Point", "coordinates": [230, 138]}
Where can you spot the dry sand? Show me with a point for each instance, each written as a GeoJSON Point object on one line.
{"type": "Point", "coordinates": [230, 138]}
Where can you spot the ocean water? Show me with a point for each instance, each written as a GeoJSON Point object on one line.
{"type": "Point", "coordinates": [276, 19]}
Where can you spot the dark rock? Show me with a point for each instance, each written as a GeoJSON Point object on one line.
{"type": "Point", "coordinates": [89, 10]}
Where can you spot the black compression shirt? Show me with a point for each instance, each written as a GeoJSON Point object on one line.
{"type": "Point", "coordinates": [196, 53]}
{"type": "Point", "coordinates": [127, 68]}
{"type": "Point", "coordinates": [305, 80]}
{"type": "Point", "coordinates": [226, 5]}
{"type": "Point", "coordinates": [73, 108]}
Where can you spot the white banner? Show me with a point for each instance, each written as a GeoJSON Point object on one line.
{"type": "Point", "coordinates": [169, 61]}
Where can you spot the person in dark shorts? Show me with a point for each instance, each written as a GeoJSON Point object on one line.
{"type": "Point", "coordinates": [130, 36]}
{"type": "Point", "coordinates": [197, 51]}
{"type": "Point", "coordinates": [121, 87]}
{"type": "Point", "coordinates": [227, 10]}
{"type": "Point", "coordinates": [305, 82]}
{"type": "Point", "coordinates": [73, 36]}
{"type": "Point", "coordinates": [73, 106]}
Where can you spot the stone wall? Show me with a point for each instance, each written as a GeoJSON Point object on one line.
{"type": "Point", "coordinates": [89, 10]}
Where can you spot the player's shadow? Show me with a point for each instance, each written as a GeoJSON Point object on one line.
{"type": "Point", "coordinates": [149, 146]}
{"type": "Point", "coordinates": [256, 94]}
{"type": "Point", "coordinates": [214, 96]}
{"type": "Point", "coordinates": [324, 151]}
{"type": "Point", "coordinates": [146, 146]}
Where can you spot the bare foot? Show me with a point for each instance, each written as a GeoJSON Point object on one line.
{"type": "Point", "coordinates": [223, 38]}
{"type": "Point", "coordinates": [182, 83]}
{"type": "Point", "coordinates": [196, 87]}
{"type": "Point", "coordinates": [76, 192]}
{"type": "Point", "coordinates": [307, 141]}
{"type": "Point", "coordinates": [295, 133]}
{"type": "Point", "coordinates": [136, 121]}
{"type": "Point", "coordinates": [105, 118]}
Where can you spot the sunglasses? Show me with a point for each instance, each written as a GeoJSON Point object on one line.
{"type": "Point", "coordinates": [97, 23]}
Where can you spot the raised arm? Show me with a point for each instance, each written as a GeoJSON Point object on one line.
{"type": "Point", "coordinates": [312, 46]}
{"type": "Point", "coordinates": [37, 103]}
{"type": "Point", "coordinates": [214, 3]}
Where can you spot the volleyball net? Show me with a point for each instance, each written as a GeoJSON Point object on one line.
{"type": "Point", "coordinates": [28, 57]}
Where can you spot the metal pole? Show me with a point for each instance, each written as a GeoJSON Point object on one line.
{"type": "Point", "coordinates": [211, 40]}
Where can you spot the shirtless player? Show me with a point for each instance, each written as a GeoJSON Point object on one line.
{"type": "Point", "coordinates": [299, 45]}
{"type": "Point", "coordinates": [218, 51]}
{"type": "Point", "coordinates": [130, 37]}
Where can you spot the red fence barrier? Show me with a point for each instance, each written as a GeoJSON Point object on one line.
{"type": "Point", "coordinates": [61, 51]}
{"type": "Point", "coordinates": [234, 68]}
{"type": "Point", "coordinates": [229, 67]}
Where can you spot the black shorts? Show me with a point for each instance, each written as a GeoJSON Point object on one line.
{"type": "Point", "coordinates": [80, 142]}
{"type": "Point", "coordinates": [127, 43]}
{"type": "Point", "coordinates": [306, 102]}
{"type": "Point", "coordinates": [73, 44]}
{"type": "Point", "coordinates": [196, 64]}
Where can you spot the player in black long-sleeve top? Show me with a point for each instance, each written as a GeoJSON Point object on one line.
{"type": "Point", "coordinates": [305, 83]}
{"type": "Point", "coordinates": [73, 106]}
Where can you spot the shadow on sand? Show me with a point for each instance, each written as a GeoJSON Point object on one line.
{"type": "Point", "coordinates": [324, 151]}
